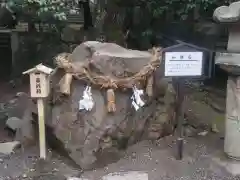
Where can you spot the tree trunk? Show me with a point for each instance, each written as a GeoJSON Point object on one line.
{"type": "Point", "coordinates": [88, 22]}
{"type": "Point", "coordinates": [7, 19]}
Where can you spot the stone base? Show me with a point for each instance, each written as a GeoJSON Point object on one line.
{"type": "Point", "coordinates": [231, 165]}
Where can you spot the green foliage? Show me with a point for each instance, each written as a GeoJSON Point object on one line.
{"type": "Point", "coordinates": [41, 10]}
{"type": "Point", "coordinates": [182, 8]}
{"type": "Point", "coordinates": [144, 19]}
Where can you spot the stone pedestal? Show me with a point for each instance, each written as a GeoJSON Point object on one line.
{"type": "Point", "coordinates": [232, 133]}
{"type": "Point", "coordinates": [230, 62]}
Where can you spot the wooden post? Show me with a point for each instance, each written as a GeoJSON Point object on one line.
{"type": "Point", "coordinates": [179, 83]}
{"type": "Point", "coordinates": [41, 126]}
{"type": "Point", "coordinates": [40, 89]}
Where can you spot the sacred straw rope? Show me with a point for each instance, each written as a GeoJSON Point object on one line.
{"type": "Point", "coordinates": [81, 71]}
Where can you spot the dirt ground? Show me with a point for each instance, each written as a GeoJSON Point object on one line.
{"type": "Point", "coordinates": [158, 161]}
{"type": "Point", "coordinates": [7, 92]}
{"type": "Point", "coordinates": [155, 158]}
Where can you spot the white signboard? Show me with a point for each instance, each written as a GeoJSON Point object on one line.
{"type": "Point", "coordinates": [183, 63]}
{"type": "Point", "coordinates": [39, 85]}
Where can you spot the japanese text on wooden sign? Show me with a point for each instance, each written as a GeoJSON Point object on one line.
{"type": "Point", "coordinates": [38, 85]}
{"type": "Point", "coordinates": [183, 63]}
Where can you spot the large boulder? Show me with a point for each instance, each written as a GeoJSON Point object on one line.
{"type": "Point", "coordinates": [110, 58]}
{"type": "Point", "coordinates": [84, 133]}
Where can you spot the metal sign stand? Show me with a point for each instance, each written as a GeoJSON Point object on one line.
{"type": "Point", "coordinates": [179, 87]}
{"type": "Point", "coordinates": [181, 62]}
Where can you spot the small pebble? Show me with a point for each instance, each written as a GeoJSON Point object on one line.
{"type": "Point", "coordinates": [12, 101]}
{"type": "Point", "coordinates": [73, 178]}
{"type": "Point", "coordinates": [55, 170]}
{"type": "Point", "coordinates": [154, 170]}
{"type": "Point", "coordinates": [214, 128]}
{"type": "Point", "coordinates": [24, 175]}
{"type": "Point", "coordinates": [204, 133]}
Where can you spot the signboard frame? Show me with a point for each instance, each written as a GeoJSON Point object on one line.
{"type": "Point", "coordinates": [207, 59]}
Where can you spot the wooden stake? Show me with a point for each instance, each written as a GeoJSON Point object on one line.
{"type": "Point", "coordinates": [41, 126]}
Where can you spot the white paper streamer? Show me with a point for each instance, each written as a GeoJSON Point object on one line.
{"type": "Point", "coordinates": [137, 102]}
{"type": "Point", "coordinates": [86, 102]}
{"type": "Point", "coordinates": [136, 107]}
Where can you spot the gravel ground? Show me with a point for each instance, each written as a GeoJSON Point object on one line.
{"type": "Point", "coordinates": [202, 160]}
{"type": "Point", "coordinates": [157, 160]}
{"type": "Point", "coordinates": [26, 165]}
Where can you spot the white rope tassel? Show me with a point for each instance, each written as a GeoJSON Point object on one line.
{"type": "Point", "coordinates": [87, 102]}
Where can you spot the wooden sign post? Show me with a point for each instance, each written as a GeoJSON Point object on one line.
{"type": "Point", "coordinates": [182, 62]}
{"type": "Point", "coordinates": [40, 89]}
{"type": "Point", "coordinates": [179, 110]}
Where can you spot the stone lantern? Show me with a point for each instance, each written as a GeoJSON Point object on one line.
{"type": "Point", "coordinates": [230, 62]}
